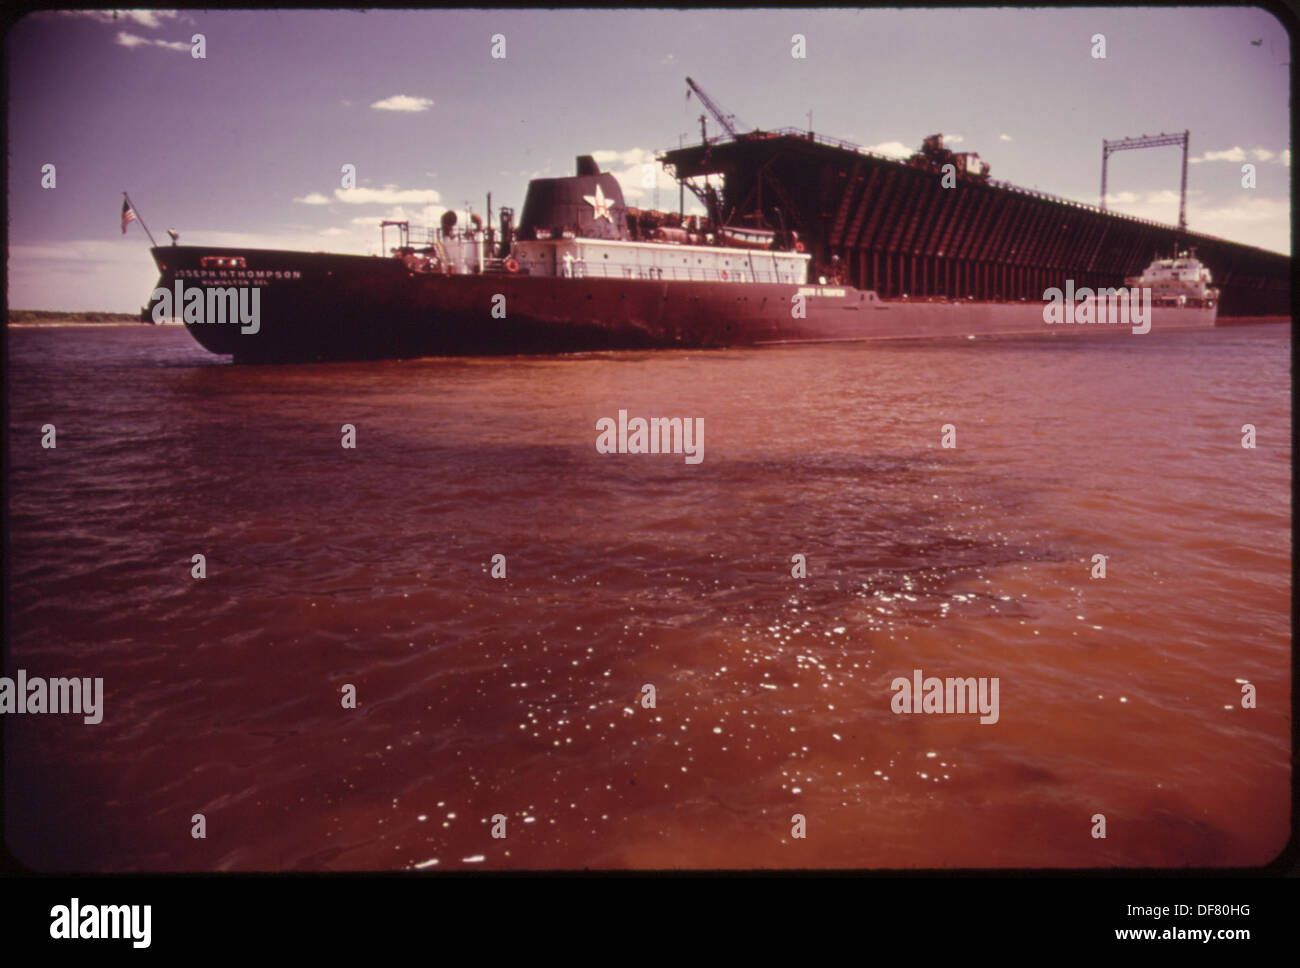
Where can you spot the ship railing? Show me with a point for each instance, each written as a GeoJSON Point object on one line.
{"type": "Point", "coordinates": [603, 270]}
{"type": "Point", "coordinates": [803, 135]}
{"type": "Point", "coordinates": [421, 235]}
{"type": "Point", "coordinates": [427, 235]}
{"type": "Point", "coordinates": [828, 140]}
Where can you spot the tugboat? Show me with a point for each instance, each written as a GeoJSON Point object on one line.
{"type": "Point", "coordinates": [581, 271]}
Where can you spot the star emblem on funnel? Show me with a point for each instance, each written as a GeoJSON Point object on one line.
{"type": "Point", "coordinates": [601, 204]}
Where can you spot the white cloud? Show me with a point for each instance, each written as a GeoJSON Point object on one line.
{"type": "Point", "coordinates": [326, 239]}
{"type": "Point", "coordinates": [633, 156]}
{"type": "Point", "coordinates": [953, 139]}
{"type": "Point", "coordinates": [1159, 205]}
{"type": "Point", "coordinates": [1004, 137]}
{"type": "Point", "coordinates": [1163, 197]}
{"type": "Point", "coordinates": [429, 215]}
{"type": "Point", "coordinates": [628, 167]}
{"type": "Point", "coordinates": [314, 198]}
{"type": "Point", "coordinates": [1251, 208]}
{"type": "Point", "coordinates": [152, 19]}
{"type": "Point", "coordinates": [117, 274]}
{"type": "Point", "coordinates": [1236, 154]}
{"type": "Point", "coordinates": [1230, 154]}
{"type": "Point", "coordinates": [388, 195]}
{"type": "Point", "coordinates": [1248, 217]}
{"type": "Point", "coordinates": [403, 102]}
{"type": "Point", "coordinates": [1253, 219]}
{"type": "Point", "coordinates": [891, 149]}
{"type": "Point", "coordinates": [127, 40]}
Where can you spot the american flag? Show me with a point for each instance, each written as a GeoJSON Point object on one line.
{"type": "Point", "coordinates": [127, 215]}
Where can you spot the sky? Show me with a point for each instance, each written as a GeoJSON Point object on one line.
{"type": "Point", "coordinates": [246, 145]}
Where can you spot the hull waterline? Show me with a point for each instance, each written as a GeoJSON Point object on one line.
{"type": "Point", "coordinates": [318, 306]}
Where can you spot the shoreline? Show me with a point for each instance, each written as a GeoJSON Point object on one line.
{"type": "Point", "coordinates": [54, 323]}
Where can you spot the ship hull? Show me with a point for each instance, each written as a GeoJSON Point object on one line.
{"type": "Point", "coordinates": [318, 306]}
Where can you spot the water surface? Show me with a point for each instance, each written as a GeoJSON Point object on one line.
{"type": "Point", "coordinates": [520, 696]}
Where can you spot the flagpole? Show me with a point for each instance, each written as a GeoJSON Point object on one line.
{"type": "Point", "coordinates": [139, 218]}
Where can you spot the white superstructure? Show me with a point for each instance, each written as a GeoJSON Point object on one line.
{"type": "Point", "coordinates": [1182, 281]}
{"type": "Point", "coordinates": [581, 258]}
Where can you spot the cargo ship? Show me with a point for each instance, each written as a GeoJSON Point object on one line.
{"type": "Point", "coordinates": [581, 271]}
{"type": "Point", "coordinates": [1180, 281]}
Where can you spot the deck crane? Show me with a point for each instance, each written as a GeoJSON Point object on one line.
{"type": "Point", "coordinates": [707, 194]}
{"type": "Point", "coordinates": [728, 121]}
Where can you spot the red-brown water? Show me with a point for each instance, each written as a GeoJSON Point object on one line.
{"type": "Point", "coordinates": [520, 696]}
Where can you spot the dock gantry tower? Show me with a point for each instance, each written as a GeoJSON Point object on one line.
{"type": "Point", "coordinates": [1149, 141]}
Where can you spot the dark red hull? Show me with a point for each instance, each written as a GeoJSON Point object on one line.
{"type": "Point", "coordinates": [318, 306]}
{"type": "Point", "coordinates": [358, 307]}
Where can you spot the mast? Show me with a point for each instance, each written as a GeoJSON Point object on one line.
{"type": "Point", "coordinates": [139, 218]}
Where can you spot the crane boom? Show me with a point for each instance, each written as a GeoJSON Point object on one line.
{"type": "Point", "coordinates": [728, 121]}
